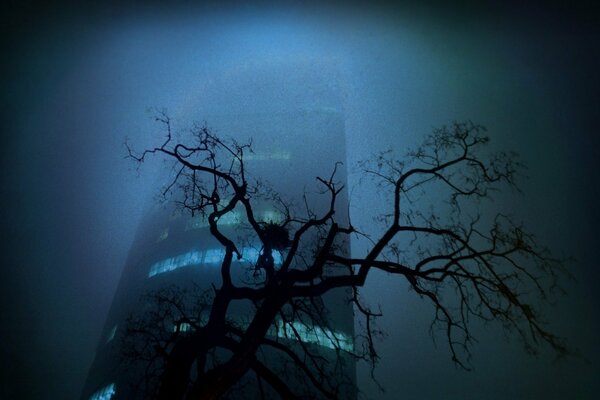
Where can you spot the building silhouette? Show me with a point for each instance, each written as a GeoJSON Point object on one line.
{"type": "Point", "coordinates": [173, 249]}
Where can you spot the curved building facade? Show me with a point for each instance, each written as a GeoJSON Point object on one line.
{"type": "Point", "coordinates": [172, 249]}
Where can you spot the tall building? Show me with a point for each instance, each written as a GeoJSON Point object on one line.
{"type": "Point", "coordinates": [175, 249]}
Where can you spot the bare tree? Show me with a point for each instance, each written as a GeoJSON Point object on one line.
{"type": "Point", "coordinates": [468, 265]}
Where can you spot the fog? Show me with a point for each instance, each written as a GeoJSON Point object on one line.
{"type": "Point", "coordinates": [78, 81]}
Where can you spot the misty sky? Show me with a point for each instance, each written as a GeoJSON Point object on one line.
{"type": "Point", "coordinates": [78, 81]}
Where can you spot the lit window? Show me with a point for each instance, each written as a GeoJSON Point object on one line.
{"type": "Point", "coordinates": [210, 256]}
{"type": "Point", "coordinates": [250, 254]}
{"type": "Point", "coordinates": [188, 327]}
{"type": "Point", "coordinates": [272, 216]}
{"type": "Point", "coordinates": [287, 330]}
{"type": "Point", "coordinates": [317, 335]}
{"type": "Point", "coordinates": [106, 393]}
{"type": "Point", "coordinates": [111, 334]}
{"type": "Point", "coordinates": [214, 256]}
{"type": "Point", "coordinates": [200, 221]}
{"type": "Point", "coordinates": [231, 218]}
{"type": "Point", "coordinates": [275, 155]}
{"type": "Point", "coordinates": [182, 327]}
{"type": "Point", "coordinates": [182, 260]}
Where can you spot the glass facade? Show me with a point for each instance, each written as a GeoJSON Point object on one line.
{"type": "Point", "coordinates": [166, 242]}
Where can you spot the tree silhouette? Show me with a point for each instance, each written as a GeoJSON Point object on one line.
{"type": "Point", "coordinates": [470, 266]}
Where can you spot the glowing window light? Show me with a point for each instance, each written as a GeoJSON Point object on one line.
{"type": "Point", "coordinates": [106, 393]}
{"type": "Point", "coordinates": [316, 335]}
{"type": "Point", "coordinates": [287, 330]}
{"type": "Point", "coordinates": [210, 256]}
{"type": "Point", "coordinates": [111, 334]}
{"type": "Point", "coordinates": [214, 256]}
{"type": "Point", "coordinates": [272, 216]}
{"type": "Point", "coordinates": [231, 218]}
{"type": "Point", "coordinates": [182, 327]}
{"type": "Point", "coordinates": [275, 155]}
{"type": "Point", "coordinates": [200, 221]}
{"type": "Point", "coordinates": [183, 260]}
{"type": "Point", "coordinates": [250, 254]}
{"type": "Point", "coordinates": [188, 327]}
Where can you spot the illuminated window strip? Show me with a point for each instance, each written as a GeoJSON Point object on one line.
{"type": "Point", "coordinates": [182, 260]}
{"type": "Point", "coordinates": [276, 155]}
{"type": "Point", "coordinates": [183, 327]}
{"type": "Point", "coordinates": [106, 393]}
{"type": "Point", "coordinates": [210, 256]}
{"type": "Point", "coordinates": [316, 334]}
{"type": "Point", "coordinates": [271, 216]}
{"type": "Point", "coordinates": [291, 331]}
{"type": "Point", "coordinates": [187, 327]}
{"type": "Point", "coordinates": [200, 221]}
{"type": "Point", "coordinates": [214, 256]}
{"type": "Point", "coordinates": [233, 218]}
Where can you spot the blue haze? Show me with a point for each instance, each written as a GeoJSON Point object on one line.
{"type": "Point", "coordinates": [81, 81]}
